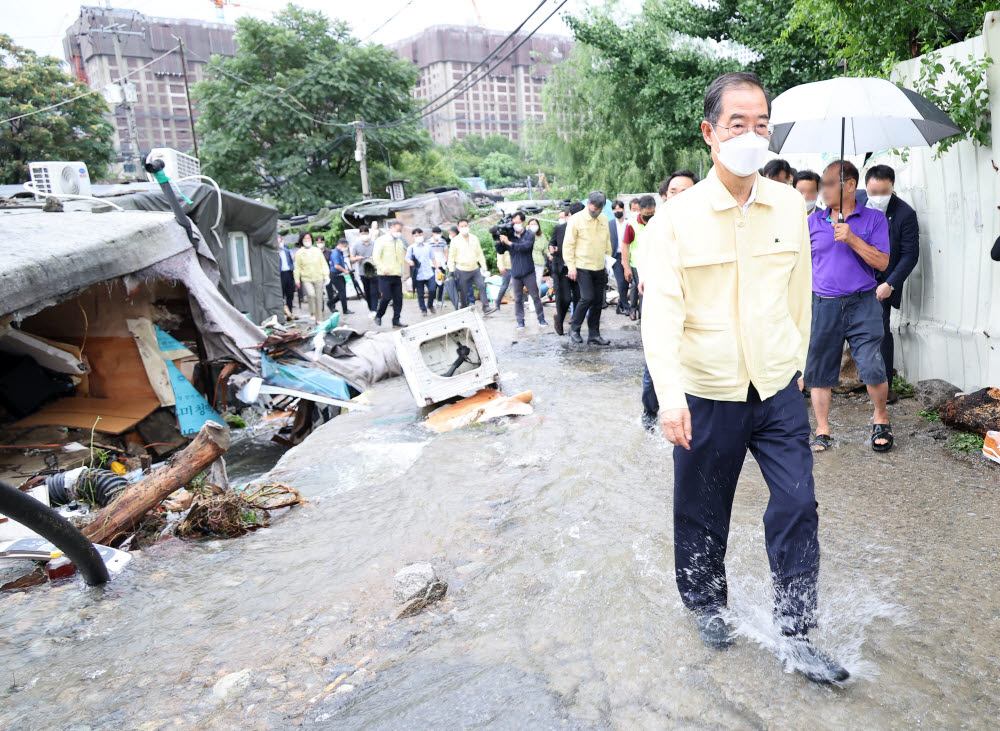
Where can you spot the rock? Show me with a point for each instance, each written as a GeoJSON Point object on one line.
{"type": "Point", "coordinates": [849, 380]}
{"type": "Point", "coordinates": [413, 581]}
{"type": "Point", "coordinates": [436, 591]}
{"type": "Point", "coordinates": [232, 686]}
{"type": "Point", "coordinates": [977, 412]}
{"type": "Point", "coordinates": [933, 392]}
{"type": "Point", "coordinates": [52, 205]}
{"type": "Point", "coordinates": [414, 606]}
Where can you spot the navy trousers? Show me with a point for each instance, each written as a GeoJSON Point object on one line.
{"type": "Point", "coordinates": [650, 404]}
{"type": "Point", "coordinates": [888, 346]}
{"type": "Point", "coordinates": [776, 431]}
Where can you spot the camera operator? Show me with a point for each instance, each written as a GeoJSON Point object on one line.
{"type": "Point", "coordinates": [567, 293]}
{"type": "Point", "coordinates": [522, 267]}
{"type": "Point", "coordinates": [585, 247]}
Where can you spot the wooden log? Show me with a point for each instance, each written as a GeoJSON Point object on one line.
{"type": "Point", "coordinates": [127, 512]}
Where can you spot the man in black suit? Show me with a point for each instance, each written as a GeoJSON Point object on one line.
{"type": "Point", "coordinates": [567, 290]}
{"type": "Point", "coordinates": [904, 249]}
{"type": "Point", "coordinates": [617, 231]}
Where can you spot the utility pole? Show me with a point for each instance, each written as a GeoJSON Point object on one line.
{"type": "Point", "coordinates": [130, 147]}
{"type": "Point", "coordinates": [360, 151]}
{"type": "Point", "coordinates": [187, 93]}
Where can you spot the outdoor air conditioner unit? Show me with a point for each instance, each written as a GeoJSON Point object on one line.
{"type": "Point", "coordinates": [59, 178]}
{"type": "Point", "coordinates": [176, 164]}
{"type": "Point", "coordinates": [447, 356]}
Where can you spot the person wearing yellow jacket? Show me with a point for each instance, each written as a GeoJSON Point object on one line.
{"type": "Point", "coordinates": [726, 318]}
{"type": "Point", "coordinates": [467, 260]}
{"type": "Point", "coordinates": [585, 245]}
{"type": "Point", "coordinates": [389, 254]}
{"type": "Point", "coordinates": [312, 274]}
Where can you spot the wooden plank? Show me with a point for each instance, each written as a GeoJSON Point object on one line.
{"type": "Point", "coordinates": [149, 351]}
{"type": "Point", "coordinates": [111, 416]}
{"type": "Point", "coordinates": [116, 368]}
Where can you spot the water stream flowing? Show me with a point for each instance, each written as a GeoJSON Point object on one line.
{"type": "Point", "coordinates": [554, 534]}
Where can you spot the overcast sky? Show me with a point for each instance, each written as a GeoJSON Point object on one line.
{"type": "Point", "coordinates": [41, 24]}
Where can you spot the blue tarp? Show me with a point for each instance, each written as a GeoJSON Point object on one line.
{"type": "Point", "coordinates": [303, 378]}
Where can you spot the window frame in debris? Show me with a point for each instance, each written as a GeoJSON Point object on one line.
{"type": "Point", "coordinates": [232, 242]}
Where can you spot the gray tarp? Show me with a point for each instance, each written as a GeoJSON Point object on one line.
{"type": "Point", "coordinates": [48, 257]}
{"type": "Point", "coordinates": [45, 257]}
{"type": "Point", "coordinates": [364, 359]}
{"type": "Point", "coordinates": [424, 211]}
{"type": "Point", "coordinates": [260, 297]}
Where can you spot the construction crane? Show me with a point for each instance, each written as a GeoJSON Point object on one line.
{"type": "Point", "coordinates": [220, 7]}
{"type": "Point", "coordinates": [478, 14]}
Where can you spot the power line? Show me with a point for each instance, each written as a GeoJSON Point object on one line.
{"type": "Point", "coordinates": [414, 117]}
{"type": "Point", "coordinates": [86, 93]}
{"type": "Point", "coordinates": [485, 59]}
{"type": "Point", "coordinates": [387, 21]}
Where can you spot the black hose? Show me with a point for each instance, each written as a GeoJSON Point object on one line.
{"type": "Point", "coordinates": [97, 487]}
{"type": "Point", "coordinates": [51, 526]}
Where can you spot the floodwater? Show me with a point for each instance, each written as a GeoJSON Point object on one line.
{"type": "Point", "coordinates": [554, 534]}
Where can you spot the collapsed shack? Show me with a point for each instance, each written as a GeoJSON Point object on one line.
{"type": "Point", "coordinates": [113, 336]}
{"type": "Point", "coordinates": [242, 236]}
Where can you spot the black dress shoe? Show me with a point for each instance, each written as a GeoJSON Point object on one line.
{"type": "Point", "coordinates": [399, 325]}
{"type": "Point", "coordinates": [714, 633]}
{"type": "Point", "coordinates": [378, 321]}
{"type": "Point", "coordinates": [557, 325]}
{"type": "Point", "coordinates": [348, 312]}
{"type": "Point", "coordinates": [812, 662]}
{"type": "Point", "coordinates": [575, 336]}
{"type": "Point", "coordinates": [597, 340]}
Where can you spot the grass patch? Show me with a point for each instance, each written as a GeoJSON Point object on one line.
{"type": "Point", "coordinates": [966, 442]}
{"type": "Point", "coordinates": [903, 388]}
{"type": "Point", "coordinates": [930, 417]}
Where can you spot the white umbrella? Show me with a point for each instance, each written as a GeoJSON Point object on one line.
{"type": "Point", "coordinates": [855, 116]}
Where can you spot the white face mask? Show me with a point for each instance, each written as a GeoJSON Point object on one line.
{"type": "Point", "coordinates": [810, 205]}
{"type": "Point", "coordinates": [879, 202]}
{"type": "Point", "coordinates": [463, 231]}
{"type": "Point", "coordinates": [533, 228]}
{"type": "Point", "coordinates": [365, 237]}
{"type": "Point", "coordinates": [418, 239]}
{"type": "Point", "coordinates": [519, 227]}
{"type": "Point", "coordinates": [435, 237]}
{"type": "Point", "coordinates": [396, 234]}
{"type": "Point", "coordinates": [743, 155]}
{"type": "Point", "coordinates": [307, 244]}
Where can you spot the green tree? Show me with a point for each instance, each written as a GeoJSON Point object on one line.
{"type": "Point", "coordinates": [624, 109]}
{"type": "Point", "coordinates": [73, 131]}
{"type": "Point", "coordinates": [425, 169]}
{"type": "Point", "coordinates": [469, 154]}
{"type": "Point", "coordinates": [874, 35]}
{"type": "Point", "coordinates": [275, 118]}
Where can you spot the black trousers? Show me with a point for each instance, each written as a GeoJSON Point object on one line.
{"type": "Point", "coordinates": [391, 289]}
{"type": "Point", "coordinates": [288, 288]}
{"type": "Point", "coordinates": [339, 286]}
{"type": "Point", "coordinates": [370, 287]}
{"type": "Point", "coordinates": [592, 283]}
{"type": "Point", "coordinates": [567, 293]}
{"type": "Point", "coordinates": [776, 431]}
{"type": "Point", "coordinates": [431, 286]}
{"type": "Point", "coordinates": [619, 272]}
{"type": "Point", "coordinates": [888, 346]}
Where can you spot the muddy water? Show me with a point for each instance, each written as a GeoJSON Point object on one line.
{"type": "Point", "coordinates": [553, 532]}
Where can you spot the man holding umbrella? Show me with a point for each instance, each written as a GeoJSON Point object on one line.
{"type": "Point", "coordinates": [725, 327]}
{"type": "Point", "coordinates": [850, 244]}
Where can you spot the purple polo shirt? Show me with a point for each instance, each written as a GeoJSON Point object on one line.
{"type": "Point", "coordinates": [836, 269]}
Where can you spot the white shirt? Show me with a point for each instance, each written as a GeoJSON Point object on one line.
{"type": "Point", "coordinates": [753, 196]}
